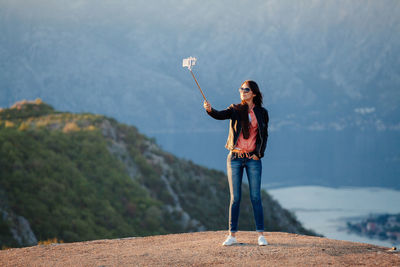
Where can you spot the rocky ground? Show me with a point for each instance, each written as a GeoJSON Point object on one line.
{"type": "Point", "coordinates": [204, 249]}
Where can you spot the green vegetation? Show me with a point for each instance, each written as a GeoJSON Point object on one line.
{"type": "Point", "coordinates": [70, 187]}
{"type": "Point", "coordinates": [25, 109]}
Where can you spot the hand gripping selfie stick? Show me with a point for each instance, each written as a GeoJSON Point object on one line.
{"type": "Point", "coordinates": [189, 63]}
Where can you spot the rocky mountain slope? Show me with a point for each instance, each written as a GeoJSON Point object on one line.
{"type": "Point", "coordinates": [79, 177]}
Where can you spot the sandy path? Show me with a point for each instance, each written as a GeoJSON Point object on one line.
{"type": "Point", "coordinates": [204, 249]}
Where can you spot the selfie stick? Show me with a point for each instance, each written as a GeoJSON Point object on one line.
{"type": "Point", "coordinates": [189, 63]}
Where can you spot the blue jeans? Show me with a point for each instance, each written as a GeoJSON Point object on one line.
{"type": "Point", "coordinates": [235, 166]}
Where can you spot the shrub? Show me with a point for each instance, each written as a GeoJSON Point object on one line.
{"type": "Point", "coordinates": [9, 124]}
{"type": "Point", "coordinates": [91, 128]}
{"type": "Point", "coordinates": [70, 127]}
{"type": "Point", "coordinates": [50, 241]}
{"type": "Point", "coordinates": [23, 127]}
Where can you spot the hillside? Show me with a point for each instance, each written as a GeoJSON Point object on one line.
{"type": "Point", "coordinates": [204, 249]}
{"type": "Point", "coordinates": [79, 177]}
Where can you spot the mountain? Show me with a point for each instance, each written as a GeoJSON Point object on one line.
{"type": "Point", "coordinates": [84, 176]}
{"type": "Point", "coordinates": [327, 70]}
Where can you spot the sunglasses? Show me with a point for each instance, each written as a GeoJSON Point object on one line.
{"type": "Point", "coordinates": [244, 89]}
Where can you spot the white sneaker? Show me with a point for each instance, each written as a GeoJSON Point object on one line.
{"type": "Point", "coordinates": [262, 241]}
{"type": "Point", "coordinates": [229, 241]}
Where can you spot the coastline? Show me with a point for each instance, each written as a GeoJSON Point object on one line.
{"type": "Point", "coordinates": [326, 210]}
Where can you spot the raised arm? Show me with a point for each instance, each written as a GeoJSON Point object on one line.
{"type": "Point", "coordinates": [218, 115]}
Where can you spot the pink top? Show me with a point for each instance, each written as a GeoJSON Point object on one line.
{"type": "Point", "coordinates": [250, 143]}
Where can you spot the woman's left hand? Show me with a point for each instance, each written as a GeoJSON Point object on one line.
{"type": "Point", "coordinates": [255, 157]}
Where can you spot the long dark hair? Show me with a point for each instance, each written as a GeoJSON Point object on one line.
{"type": "Point", "coordinates": [244, 109]}
{"type": "Point", "coordinates": [258, 99]}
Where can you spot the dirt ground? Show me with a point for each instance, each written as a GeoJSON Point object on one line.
{"type": "Point", "coordinates": [204, 249]}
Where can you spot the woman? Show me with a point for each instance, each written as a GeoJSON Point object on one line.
{"type": "Point", "coordinates": [247, 140]}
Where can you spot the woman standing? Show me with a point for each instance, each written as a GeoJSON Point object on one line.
{"type": "Point", "coordinates": [247, 140]}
